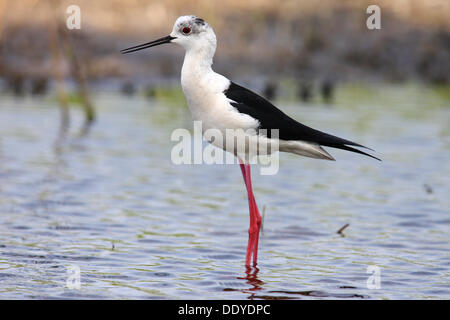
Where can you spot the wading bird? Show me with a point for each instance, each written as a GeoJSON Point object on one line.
{"type": "Point", "coordinates": [222, 104]}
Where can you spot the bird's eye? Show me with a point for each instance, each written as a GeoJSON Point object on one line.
{"type": "Point", "coordinates": [186, 30]}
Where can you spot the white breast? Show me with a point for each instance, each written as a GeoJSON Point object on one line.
{"type": "Point", "coordinates": [208, 103]}
{"type": "Point", "coordinates": [204, 89]}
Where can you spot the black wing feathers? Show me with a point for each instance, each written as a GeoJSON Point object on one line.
{"type": "Point", "coordinates": [270, 117]}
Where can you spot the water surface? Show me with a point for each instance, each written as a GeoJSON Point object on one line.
{"type": "Point", "coordinates": [139, 227]}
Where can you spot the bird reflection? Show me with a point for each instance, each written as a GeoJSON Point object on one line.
{"type": "Point", "coordinates": [251, 278]}
{"type": "Point", "coordinates": [251, 275]}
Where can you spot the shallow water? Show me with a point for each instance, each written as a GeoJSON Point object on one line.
{"type": "Point", "coordinates": [137, 226]}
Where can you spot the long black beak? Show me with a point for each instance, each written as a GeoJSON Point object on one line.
{"type": "Point", "coordinates": [148, 44]}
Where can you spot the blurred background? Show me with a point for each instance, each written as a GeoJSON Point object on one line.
{"type": "Point", "coordinates": [259, 42]}
{"type": "Point", "coordinates": [86, 177]}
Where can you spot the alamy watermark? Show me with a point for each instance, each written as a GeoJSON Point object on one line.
{"type": "Point", "coordinates": [73, 280]}
{"type": "Point", "coordinates": [374, 20]}
{"type": "Point", "coordinates": [250, 146]}
{"type": "Point", "coordinates": [374, 280]}
{"type": "Point", "coordinates": [73, 21]}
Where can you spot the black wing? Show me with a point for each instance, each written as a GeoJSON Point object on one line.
{"type": "Point", "coordinates": [270, 117]}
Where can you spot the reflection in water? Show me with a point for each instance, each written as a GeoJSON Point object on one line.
{"type": "Point", "coordinates": [319, 294]}
{"type": "Point", "coordinates": [251, 278]}
{"type": "Point", "coordinates": [63, 131]}
{"type": "Point", "coordinates": [85, 129]}
{"type": "Point", "coordinates": [59, 146]}
{"type": "Point", "coordinates": [251, 275]}
{"type": "Point", "coordinates": [256, 286]}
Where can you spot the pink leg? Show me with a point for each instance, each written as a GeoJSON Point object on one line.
{"type": "Point", "coordinates": [250, 245]}
{"type": "Point", "coordinates": [255, 218]}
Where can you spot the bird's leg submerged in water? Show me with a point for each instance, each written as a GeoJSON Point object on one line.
{"type": "Point", "coordinates": [255, 217]}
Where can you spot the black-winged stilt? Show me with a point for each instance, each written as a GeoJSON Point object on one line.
{"type": "Point", "coordinates": [222, 104]}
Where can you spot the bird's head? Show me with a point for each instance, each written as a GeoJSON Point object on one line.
{"type": "Point", "coordinates": [190, 32]}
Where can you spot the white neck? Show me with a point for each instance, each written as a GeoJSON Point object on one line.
{"type": "Point", "coordinates": [197, 72]}
{"type": "Point", "coordinates": [197, 64]}
{"type": "Point", "coordinates": [199, 82]}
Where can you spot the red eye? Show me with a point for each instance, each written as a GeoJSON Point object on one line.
{"type": "Point", "coordinates": [186, 30]}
